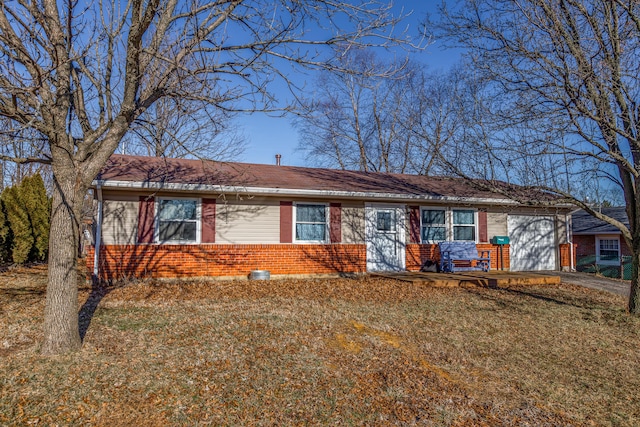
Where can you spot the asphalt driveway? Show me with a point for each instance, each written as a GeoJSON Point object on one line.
{"type": "Point", "coordinates": [616, 286]}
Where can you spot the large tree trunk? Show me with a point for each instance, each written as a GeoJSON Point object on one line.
{"type": "Point", "coordinates": [634, 296]}
{"type": "Point", "coordinates": [61, 333]}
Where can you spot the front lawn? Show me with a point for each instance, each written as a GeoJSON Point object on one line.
{"type": "Point", "coordinates": [317, 352]}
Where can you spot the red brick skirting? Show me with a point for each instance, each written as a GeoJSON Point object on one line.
{"type": "Point", "coordinates": [173, 261]}
{"type": "Point", "coordinates": [565, 254]}
{"type": "Point", "coordinates": [210, 260]}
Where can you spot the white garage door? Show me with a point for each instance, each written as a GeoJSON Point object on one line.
{"type": "Point", "coordinates": [532, 242]}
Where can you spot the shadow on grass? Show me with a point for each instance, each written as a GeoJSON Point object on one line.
{"type": "Point", "coordinates": [99, 290]}
{"type": "Point", "coordinates": [26, 291]}
{"type": "Point", "coordinates": [574, 302]}
{"type": "Point", "coordinates": [498, 295]}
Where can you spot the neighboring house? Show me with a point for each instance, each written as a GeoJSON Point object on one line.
{"type": "Point", "coordinates": [174, 218]}
{"type": "Point", "coordinates": [600, 246]}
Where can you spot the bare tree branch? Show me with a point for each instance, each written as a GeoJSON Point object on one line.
{"type": "Point", "coordinates": [566, 75]}
{"type": "Point", "coordinates": [81, 75]}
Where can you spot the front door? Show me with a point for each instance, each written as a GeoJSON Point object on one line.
{"type": "Point", "coordinates": [385, 237]}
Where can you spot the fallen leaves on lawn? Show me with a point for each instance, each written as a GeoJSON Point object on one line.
{"type": "Point", "coordinates": [363, 351]}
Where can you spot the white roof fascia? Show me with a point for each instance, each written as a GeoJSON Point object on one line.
{"type": "Point", "coordinates": [209, 188]}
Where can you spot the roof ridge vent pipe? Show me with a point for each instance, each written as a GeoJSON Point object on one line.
{"type": "Point", "coordinates": [278, 157]}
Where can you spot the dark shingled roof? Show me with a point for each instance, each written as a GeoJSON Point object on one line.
{"type": "Point", "coordinates": [206, 172]}
{"type": "Point", "coordinates": [583, 223]}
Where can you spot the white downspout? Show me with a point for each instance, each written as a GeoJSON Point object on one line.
{"type": "Point", "coordinates": [96, 253]}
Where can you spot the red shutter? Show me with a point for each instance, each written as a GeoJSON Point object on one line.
{"type": "Point", "coordinates": [286, 222]}
{"type": "Point", "coordinates": [208, 221]}
{"type": "Point", "coordinates": [414, 224]}
{"type": "Point", "coordinates": [482, 227]}
{"type": "Point", "coordinates": [146, 213]}
{"type": "Point", "coordinates": [335, 223]}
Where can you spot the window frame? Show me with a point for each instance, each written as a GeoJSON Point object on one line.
{"type": "Point", "coordinates": [444, 225]}
{"type": "Point", "coordinates": [474, 225]}
{"type": "Point", "coordinates": [393, 221]}
{"type": "Point", "coordinates": [295, 222]}
{"type": "Point", "coordinates": [449, 224]}
{"type": "Point", "coordinates": [599, 240]}
{"type": "Point", "coordinates": [197, 220]}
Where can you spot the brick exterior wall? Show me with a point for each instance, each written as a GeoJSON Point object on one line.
{"type": "Point", "coordinates": [624, 249]}
{"type": "Point", "coordinates": [174, 261]}
{"type": "Point", "coordinates": [586, 245]}
{"type": "Point", "coordinates": [211, 260]}
{"type": "Point", "coordinates": [417, 254]}
{"type": "Point", "coordinates": [565, 255]}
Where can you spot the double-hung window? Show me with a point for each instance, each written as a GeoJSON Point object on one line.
{"type": "Point", "coordinates": [311, 222]}
{"type": "Point", "coordinates": [178, 221]}
{"type": "Point", "coordinates": [608, 251]}
{"type": "Point", "coordinates": [434, 225]}
{"type": "Point", "coordinates": [440, 224]}
{"type": "Point", "coordinates": [464, 225]}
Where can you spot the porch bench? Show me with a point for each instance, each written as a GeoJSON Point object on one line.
{"type": "Point", "coordinates": [463, 252]}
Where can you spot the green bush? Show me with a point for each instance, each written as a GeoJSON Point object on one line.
{"type": "Point", "coordinates": [6, 236]}
{"type": "Point", "coordinates": [19, 223]}
{"type": "Point", "coordinates": [25, 218]}
{"type": "Point", "coordinates": [34, 197]}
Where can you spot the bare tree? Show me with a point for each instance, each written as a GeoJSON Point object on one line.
{"type": "Point", "coordinates": [345, 122]}
{"type": "Point", "coordinates": [375, 120]}
{"type": "Point", "coordinates": [18, 142]}
{"type": "Point", "coordinates": [563, 76]}
{"type": "Point", "coordinates": [175, 128]}
{"type": "Point", "coordinates": [390, 117]}
{"type": "Point", "coordinates": [80, 74]}
{"type": "Point", "coordinates": [439, 112]}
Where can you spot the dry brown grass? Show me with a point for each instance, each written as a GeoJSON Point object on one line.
{"type": "Point", "coordinates": [317, 352]}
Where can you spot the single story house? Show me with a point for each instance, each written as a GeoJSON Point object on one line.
{"type": "Point", "coordinates": [160, 217]}
{"type": "Point", "coordinates": [599, 245]}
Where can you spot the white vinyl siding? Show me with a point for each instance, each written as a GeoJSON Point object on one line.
{"type": "Point", "coordinates": [496, 224]}
{"type": "Point", "coordinates": [248, 221]}
{"type": "Point", "coordinates": [120, 220]}
{"type": "Point", "coordinates": [353, 223]}
{"type": "Point", "coordinates": [561, 221]}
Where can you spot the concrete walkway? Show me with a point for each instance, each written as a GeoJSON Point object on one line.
{"type": "Point", "coordinates": [616, 286]}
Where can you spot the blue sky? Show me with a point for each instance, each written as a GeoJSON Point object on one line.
{"type": "Point", "coordinates": [267, 136]}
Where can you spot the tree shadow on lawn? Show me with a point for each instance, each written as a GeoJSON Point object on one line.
{"type": "Point", "coordinates": [24, 291]}
{"type": "Point", "coordinates": [99, 290]}
{"type": "Point", "coordinates": [503, 297]}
